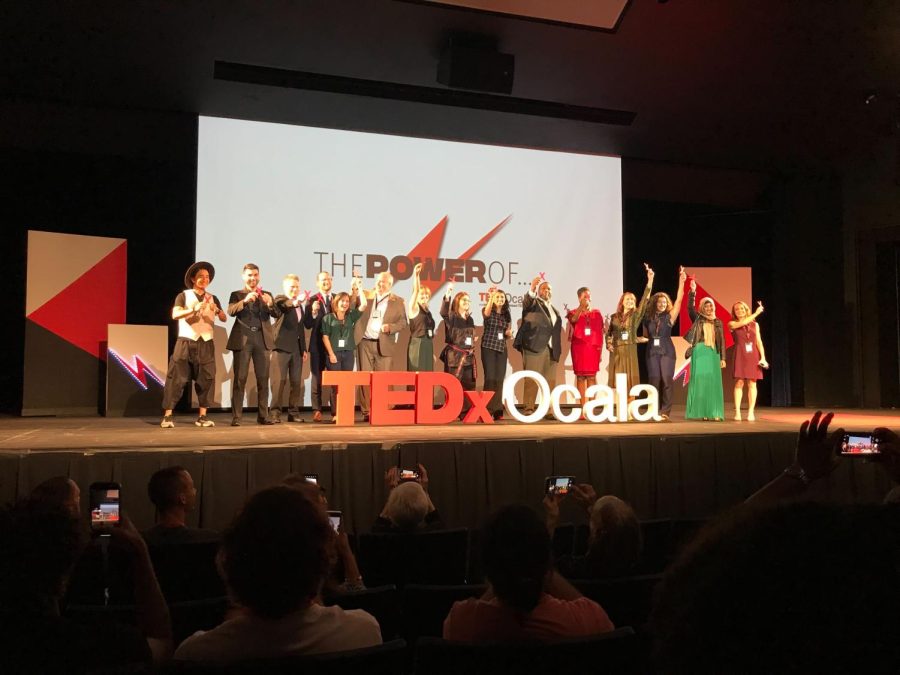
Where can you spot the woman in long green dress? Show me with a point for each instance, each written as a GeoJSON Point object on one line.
{"type": "Point", "coordinates": [705, 398]}
{"type": "Point", "coordinates": [622, 337]}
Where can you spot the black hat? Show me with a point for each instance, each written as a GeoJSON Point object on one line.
{"type": "Point", "coordinates": [196, 267]}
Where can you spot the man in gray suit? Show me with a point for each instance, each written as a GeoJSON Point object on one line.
{"type": "Point", "coordinates": [377, 332]}
{"type": "Point", "coordinates": [251, 339]}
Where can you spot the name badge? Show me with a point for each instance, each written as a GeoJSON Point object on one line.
{"type": "Point", "coordinates": [342, 342]}
{"type": "Point", "coordinates": [624, 335]}
{"type": "Point", "coordinates": [748, 347]}
{"type": "Point", "coordinates": [376, 314]}
{"type": "Point", "coordinates": [430, 333]}
{"type": "Point", "coordinates": [468, 340]}
{"type": "Point", "coordinates": [587, 331]}
{"type": "Point", "coordinates": [500, 336]}
{"type": "Point", "coordinates": [656, 342]}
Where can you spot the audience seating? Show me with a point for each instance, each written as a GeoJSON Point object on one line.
{"type": "Point", "coordinates": [426, 607]}
{"type": "Point", "coordinates": [657, 539]}
{"type": "Point", "coordinates": [615, 652]}
{"type": "Point", "coordinates": [627, 600]}
{"type": "Point", "coordinates": [187, 571]}
{"type": "Point", "coordinates": [386, 659]}
{"type": "Point", "coordinates": [563, 540]}
{"type": "Point", "coordinates": [683, 531]}
{"type": "Point", "coordinates": [439, 557]}
{"type": "Point", "coordinates": [382, 602]}
{"type": "Point", "coordinates": [187, 617]}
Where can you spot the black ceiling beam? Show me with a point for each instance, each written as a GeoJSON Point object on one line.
{"type": "Point", "coordinates": [298, 79]}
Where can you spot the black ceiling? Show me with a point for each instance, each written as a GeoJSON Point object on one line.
{"type": "Point", "coordinates": [739, 83]}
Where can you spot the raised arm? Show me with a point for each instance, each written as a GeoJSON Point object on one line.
{"type": "Point", "coordinates": [445, 303]}
{"type": "Point", "coordinates": [679, 296]}
{"type": "Point", "coordinates": [749, 318]}
{"type": "Point", "coordinates": [412, 305]}
{"type": "Point", "coordinates": [489, 306]}
{"type": "Point", "coordinates": [692, 301]}
{"type": "Point", "coordinates": [645, 297]}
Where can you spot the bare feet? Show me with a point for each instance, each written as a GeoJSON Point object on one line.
{"type": "Point", "coordinates": [751, 417]}
{"type": "Point", "coordinates": [737, 416]}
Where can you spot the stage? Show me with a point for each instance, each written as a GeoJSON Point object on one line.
{"type": "Point", "coordinates": [668, 469]}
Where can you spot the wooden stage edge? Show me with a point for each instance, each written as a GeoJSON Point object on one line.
{"type": "Point", "coordinates": [20, 435]}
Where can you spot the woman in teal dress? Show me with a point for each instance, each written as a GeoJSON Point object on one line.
{"type": "Point", "coordinates": [705, 398]}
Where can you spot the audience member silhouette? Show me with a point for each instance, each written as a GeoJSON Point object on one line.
{"type": "Point", "coordinates": [173, 494]}
{"type": "Point", "coordinates": [409, 507]}
{"type": "Point", "coordinates": [274, 558]}
{"type": "Point", "coordinates": [39, 545]}
{"type": "Point", "coordinates": [614, 543]}
{"type": "Point", "coordinates": [526, 599]}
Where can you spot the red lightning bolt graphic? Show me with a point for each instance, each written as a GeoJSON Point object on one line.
{"type": "Point", "coordinates": [138, 370]}
{"type": "Point", "coordinates": [429, 249]}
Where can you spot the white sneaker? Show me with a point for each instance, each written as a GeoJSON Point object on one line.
{"type": "Point", "coordinates": [167, 422]}
{"type": "Point", "coordinates": [204, 421]}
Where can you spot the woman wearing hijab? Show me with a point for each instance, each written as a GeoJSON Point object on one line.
{"type": "Point", "coordinates": [705, 399]}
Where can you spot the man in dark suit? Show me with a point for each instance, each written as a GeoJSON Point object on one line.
{"type": "Point", "coordinates": [251, 339]}
{"type": "Point", "coordinates": [290, 350]}
{"type": "Point", "coordinates": [377, 332]}
{"type": "Point", "coordinates": [539, 338]}
{"type": "Point", "coordinates": [317, 306]}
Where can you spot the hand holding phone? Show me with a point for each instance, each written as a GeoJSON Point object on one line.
{"type": "Point", "coordinates": [105, 500]}
{"type": "Point", "coordinates": [408, 475]}
{"type": "Point", "coordinates": [860, 444]}
{"type": "Point", "coordinates": [335, 518]}
{"type": "Point", "coordinates": [558, 485]}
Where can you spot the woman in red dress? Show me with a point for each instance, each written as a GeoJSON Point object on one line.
{"type": "Point", "coordinates": [586, 335]}
{"type": "Point", "coordinates": [749, 356]}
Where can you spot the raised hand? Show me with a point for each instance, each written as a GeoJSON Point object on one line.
{"type": "Point", "coordinates": [759, 307]}
{"type": "Point", "coordinates": [392, 478]}
{"type": "Point", "coordinates": [817, 451]}
{"type": "Point", "coordinates": [417, 270]}
{"type": "Point", "coordinates": [584, 494]}
{"type": "Point", "coordinates": [650, 272]}
{"type": "Point", "coordinates": [693, 285]}
{"type": "Point", "coordinates": [682, 275]}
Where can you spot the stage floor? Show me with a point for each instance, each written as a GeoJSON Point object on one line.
{"type": "Point", "coordinates": [143, 434]}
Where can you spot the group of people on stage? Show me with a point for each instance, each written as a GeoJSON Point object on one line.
{"type": "Point", "coordinates": [363, 328]}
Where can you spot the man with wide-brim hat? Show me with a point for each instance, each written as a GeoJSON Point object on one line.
{"type": "Point", "coordinates": [194, 356]}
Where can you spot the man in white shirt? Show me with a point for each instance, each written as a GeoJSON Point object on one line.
{"type": "Point", "coordinates": [194, 355]}
{"type": "Point", "coordinates": [377, 332]}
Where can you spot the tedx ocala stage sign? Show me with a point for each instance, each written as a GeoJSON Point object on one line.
{"type": "Point", "coordinates": [604, 404]}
